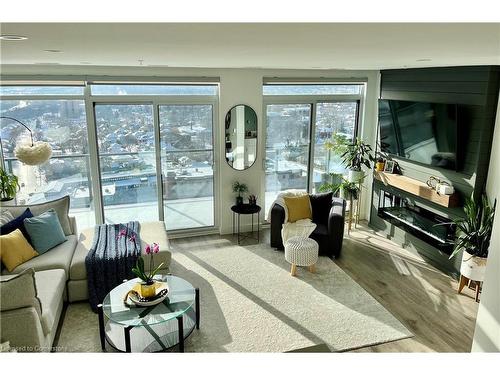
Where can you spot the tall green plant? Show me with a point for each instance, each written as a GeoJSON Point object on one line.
{"type": "Point", "coordinates": [337, 144]}
{"type": "Point", "coordinates": [474, 230]}
{"type": "Point", "coordinates": [354, 154]}
{"type": "Point", "coordinates": [9, 185]}
{"type": "Point", "coordinates": [357, 154]}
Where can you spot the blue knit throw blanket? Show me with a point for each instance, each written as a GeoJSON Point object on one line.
{"type": "Point", "coordinates": [114, 252]}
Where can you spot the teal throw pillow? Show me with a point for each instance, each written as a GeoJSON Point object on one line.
{"type": "Point", "coordinates": [45, 231]}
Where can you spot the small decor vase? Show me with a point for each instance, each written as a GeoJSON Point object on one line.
{"type": "Point", "coordinates": [239, 201]}
{"type": "Point", "coordinates": [379, 166]}
{"type": "Point", "coordinates": [148, 290]}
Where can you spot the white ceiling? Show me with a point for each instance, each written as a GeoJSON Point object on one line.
{"type": "Point", "coordinates": [285, 45]}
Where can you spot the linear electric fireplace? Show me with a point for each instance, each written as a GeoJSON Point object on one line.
{"type": "Point", "coordinates": [420, 222]}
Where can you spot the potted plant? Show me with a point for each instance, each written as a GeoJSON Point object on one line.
{"type": "Point", "coordinates": [473, 237]}
{"type": "Point", "coordinates": [349, 190]}
{"type": "Point", "coordinates": [240, 189]}
{"type": "Point", "coordinates": [148, 287]}
{"type": "Point", "coordinates": [336, 180]}
{"type": "Point", "coordinates": [9, 186]}
{"type": "Point", "coordinates": [355, 156]}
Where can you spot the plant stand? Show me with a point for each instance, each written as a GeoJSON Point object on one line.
{"type": "Point", "coordinates": [466, 281]}
{"type": "Point", "coordinates": [472, 269]}
{"type": "Point", "coordinates": [354, 211]}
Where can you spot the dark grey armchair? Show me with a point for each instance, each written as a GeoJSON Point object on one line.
{"type": "Point", "coordinates": [328, 213]}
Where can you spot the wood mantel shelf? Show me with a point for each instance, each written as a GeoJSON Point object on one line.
{"type": "Point", "coordinates": [418, 188]}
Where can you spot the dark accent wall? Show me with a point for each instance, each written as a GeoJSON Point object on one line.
{"type": "Point", "coordinates": [475, 90]}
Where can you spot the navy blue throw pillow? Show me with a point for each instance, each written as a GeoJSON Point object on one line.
{"type": "Point", "coordinates": [17, 223]}
{"type": "Point", "coordinates": [321, 205]}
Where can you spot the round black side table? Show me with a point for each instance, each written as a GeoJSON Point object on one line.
{"type": "Point", "coordinates": [246, 209]}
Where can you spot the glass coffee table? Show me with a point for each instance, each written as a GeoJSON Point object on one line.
{"type": "Point", "coordinates": [131, 328]}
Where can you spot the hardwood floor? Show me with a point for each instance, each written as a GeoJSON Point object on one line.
{"type": "Point", "coordinates": [420, 296]}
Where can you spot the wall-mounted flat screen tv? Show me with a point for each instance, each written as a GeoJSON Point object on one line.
{"type": "Point", "coordinates": [422, 132]}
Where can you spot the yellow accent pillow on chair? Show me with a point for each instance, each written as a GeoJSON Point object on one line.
{"type": "Point", "coordinates": [15, 250]}
{"type": "Point", "coordinates": [298, 208]}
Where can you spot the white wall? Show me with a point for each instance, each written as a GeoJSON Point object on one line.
{"type": "Point", "coordinates": [487, 333]}
{"type": "Point", "coordinates": [237, 86]}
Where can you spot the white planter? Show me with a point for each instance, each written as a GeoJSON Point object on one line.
{"type": "Point", "coordinates": [355, 176]}
{"type": "Point", "coordinates": [473, 267]}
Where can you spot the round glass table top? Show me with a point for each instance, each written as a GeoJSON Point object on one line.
{"type": "Point", "coordinates": [180, 298]}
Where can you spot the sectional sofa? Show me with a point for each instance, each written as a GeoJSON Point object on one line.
{"type": "Point", "coordinates": [60, 275]}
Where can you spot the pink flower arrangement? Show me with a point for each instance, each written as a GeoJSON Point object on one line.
{"type": "Point", "coordinates": [139, 271]}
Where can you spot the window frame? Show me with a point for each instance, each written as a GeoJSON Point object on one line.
{"type": "Point", "coordinates": [5, 159]}
{"type": "Point", "coordinates": [312, 100]}
{"type": "Point", "coordinates": [90, 100]}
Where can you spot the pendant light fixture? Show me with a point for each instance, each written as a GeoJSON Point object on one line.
{"type": "Point", "coordinates": [35, 153]}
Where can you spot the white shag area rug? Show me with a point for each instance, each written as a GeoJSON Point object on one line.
{"type": "Point", "coordinates": [251, 303]}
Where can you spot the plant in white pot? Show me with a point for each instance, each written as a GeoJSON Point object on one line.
{"type": "Point", "coordinates": [354, 155]}
{"type": "Point", "coordinates": [473, 237]}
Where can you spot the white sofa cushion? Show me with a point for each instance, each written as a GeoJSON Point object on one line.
{"type": "Point", "coordinates": [18, 291]}
{"type": "Point", "coordinates": [50, 287]}
{"type": "Point", "coordinates": [57, 258]}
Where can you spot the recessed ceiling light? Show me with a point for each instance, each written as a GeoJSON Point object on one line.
{"type": "Point", "coordinates": [52, 50]}
{"type": "Point", "coordinates": [85, 62]}
{"type": "Point", "coordinates": [13, 37]}
{"type": "Point", "coordinates": [423, 60]}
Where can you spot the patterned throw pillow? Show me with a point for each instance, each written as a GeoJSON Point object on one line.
{"type": "Point", "coordinates": [5, 217]}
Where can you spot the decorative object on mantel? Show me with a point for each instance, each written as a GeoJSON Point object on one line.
{"type": "Point", "coordinates": [417, 188]}
{"type": "Point", "coordinates": [240, 189]}
{"type": "Point", "coordinates": [380, 164]}
{"type": "Point", "coordinates": [9, 186]}
{"type": "Point", "coordinates": [474, 234]}
{"type": "Point", "coordinates": [148, 286]}
{"type": "Point", "coordinates": [35, 153]}
{"type": "Point", "coordinates": [445, 188]}
{"type": "Point", "coordinates": [389, 166]}
{"type": "Point", "coordinates": [440, 186]}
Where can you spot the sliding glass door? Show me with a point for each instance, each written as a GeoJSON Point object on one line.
{"type": "Point", "coordinates": [186, 144]}
{"type": "Point", "coordinates": [126, 145]}
{"type": "Point", "coordinates": [296, 156]}
{"type": "Point", "coordinates": [287, 148]}
{"type": "Point", "coordinates": [331, 118]}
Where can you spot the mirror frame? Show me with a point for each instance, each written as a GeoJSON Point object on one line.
{"type": "Point", "coordinates": [227, 124]}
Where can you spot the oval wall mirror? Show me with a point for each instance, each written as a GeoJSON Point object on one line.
{"type": "Point", "coordinates": [241, 137]}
